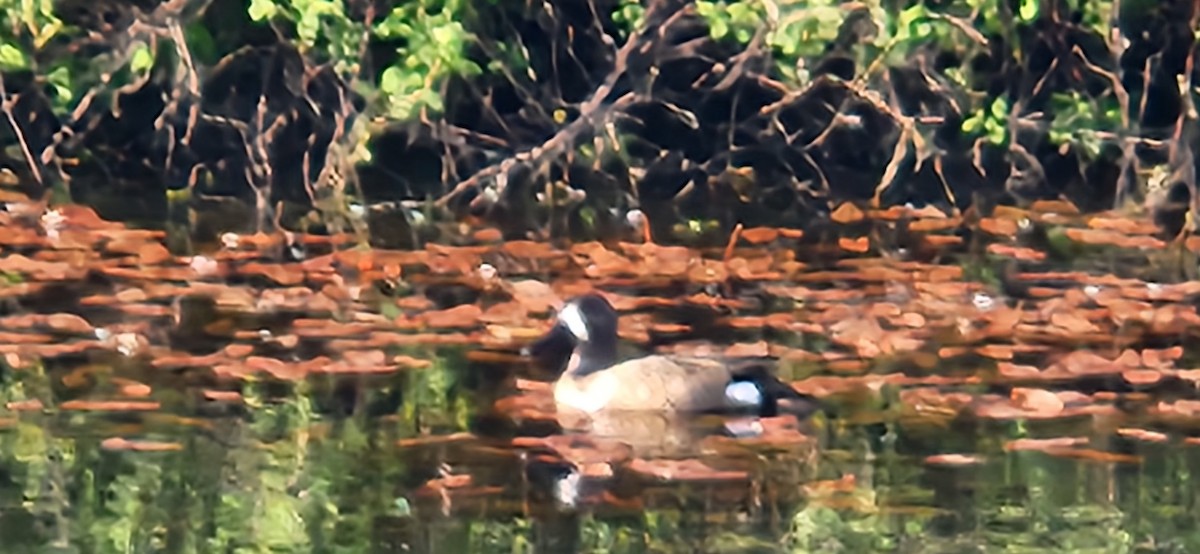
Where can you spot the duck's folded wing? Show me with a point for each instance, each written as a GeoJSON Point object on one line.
{"type": "Point", "coordinates": [667, 383]}
{"type": "Point", "coordinates": [696, 384]}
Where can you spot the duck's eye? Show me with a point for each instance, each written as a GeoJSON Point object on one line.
{"type": "Point", "coordinates": [571, 318]}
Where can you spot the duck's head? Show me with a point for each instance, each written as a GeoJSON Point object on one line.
{"type": "Point", "coordinates": [584, 335]}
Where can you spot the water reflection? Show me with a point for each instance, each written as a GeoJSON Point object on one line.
{"type": "Point", "coordinates": [447, 459]}
{"type": "Point", "coordinates": [286, 479]}
{"type": "Point", "coordinates": [569, 478]}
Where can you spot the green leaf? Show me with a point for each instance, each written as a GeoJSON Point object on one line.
{"type": "Point", "coordinates": [972, 125]}
{"type": "Point", "coordinates": [309, 26]}
{"type": "Point", "coordinates": [448, 35]}
{"type": "Point", "coordinates": [413, 80]}
{"type": "Point", "coordinates": [12, 57]}
{"type": "Point", "coordinates": [392, 80]}
{"type": "Point", "coordinates": [262, 9]}
{"type": "Point", "coordinates": [142, 59]}
{"type": "Point", "coordinates": [1113, 113]}
{"type": "Point", "coordinates": [1000, 108]}
{"type": "Point", "coordinates": [400, 107]}
{"type": "Point", "coordinates": [1028, 10]}
{"type": "Point", "coordinates": [718, 28]}
{"type": "Point", "coordinates": [395, 26]}
{"type": "Point", "coordinates": [431, 99]}
{"type": "Point", "coordinates": [906, 27]}
{"type": "Point", "coordinates": [996, 133]}
{"type": "Point", "coordinates": [468, 68]}
{"type": "Point", "coordinates": [60, 79]}
{"type": "Point", "coordinates": [629, 15]}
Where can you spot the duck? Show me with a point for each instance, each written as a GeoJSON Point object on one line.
{"type": "Point", "coordinates": [594, 381]}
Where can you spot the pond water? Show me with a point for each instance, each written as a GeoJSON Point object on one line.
{"type": "Point", "coordinates": [985, 388]}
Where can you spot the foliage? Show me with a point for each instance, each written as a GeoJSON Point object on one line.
{"type": "Point", "coordinates": [992, 124]}
{"type": "Point", "coordinates": [1082, 121]}
{"type": "Point", "coordinates": [323, 29]}
{"type": "Point", "coordinates": [629, 14]}
{"type": "Point", "coordinates": [505, 78]}
{"type": "Point", "coordinates": [795, 29]}
{"type": "Point", "coordinates": [435, 50]}
{"type": "Point", "coordinates": [432, 35]}
{"type": "Point", "coordinates": [29, 26]}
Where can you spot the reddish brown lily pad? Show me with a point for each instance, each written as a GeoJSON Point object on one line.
{"type": "Point", "coordinates": [137, 445]}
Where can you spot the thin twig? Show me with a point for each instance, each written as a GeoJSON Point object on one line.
{"type": "Point", "coordinates": [6, 104]}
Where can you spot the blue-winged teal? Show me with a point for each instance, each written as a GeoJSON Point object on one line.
{"type": "Point", "coordinates": [594, 381]}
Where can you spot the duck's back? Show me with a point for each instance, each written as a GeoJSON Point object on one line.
{"type": "Point", "coordinates": [650, 383]}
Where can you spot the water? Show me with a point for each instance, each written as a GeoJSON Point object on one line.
{"type": "Point", "coordinates": [282, 479]}
{"type": "Point", "coordinates": [374, 402]}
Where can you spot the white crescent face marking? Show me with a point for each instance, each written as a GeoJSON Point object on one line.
{"type": "Point", "coordinates": [571, 318]}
